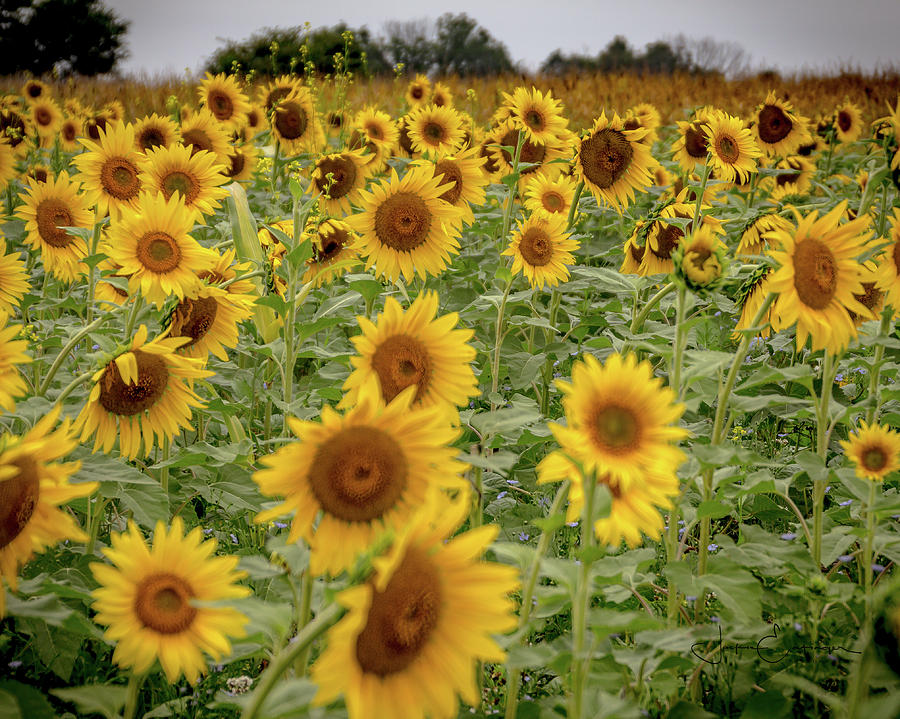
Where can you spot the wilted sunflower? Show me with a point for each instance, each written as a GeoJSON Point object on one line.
{"type": "Point", "coordinates": [613, 162]}
{"type": "Point", "coordinates": [152, 246]}
{"type": "Point", "coordinates": [552, 197]}
{"type": "Point", "coordinates": [874, 451]}
{"type": "Point", "coordinates": [69, 132]}
{"type": "Point", "coordinates": [47, 208]}
{"type": "Point", "coordinates": [414, 348]}
{"type": "Point", "coordinates": [33, 487]}
{"type": "Point", "coordinates": [418, 90]}
{"type": "Point", "coordinates": [415, 632]}
{"type": "Point", "coordinates": [732, 147]}
{"type": "Point", "coordinates": [209, 318]}
{"type": "Point", "coordinates": [360, 473]}
{"type": "Point", "coordinates": [296, 125]}
{"type": "Point", "coordinates": [889, 264]}
{"type": "Point", "coordinates": [464, 171]}
{"type": "Point", "coordinates": [848, 124]}
{"type": "Point", "coordinates": [441, 95]}
{"type": "Point", "coordinates": [201, 131]}
{"type": "Point", "coordinates": [47, 119]}
{"type": "Point", "coordinates": [817, 278]}
{"type": "Point", "coordinates": [196, 176]}
{"type": "Point", "coordinates": [14, 282]}
{"type": "Point", "coordinates": [691, 147]}
{"type": "Point", "coordinates": [12, 353]}
{"type": "Point", "coordinates": [753, 240]}
{"type": "Point", "coordinates": [111, 170]}
{"type": "Point", "coordinates": [621, 422]}
{"type": "Point", "coordinates": [538, 115]}
{"type": "Point", "coordinates": [436, 130]}
{"type": "Point", "coordinates": [405, 226]}
{"type": "Point", "coordinates": [751, 298]}
{"type": "Point", "coordinates": [334, 243]}
{"type": "Point", "coordinates": [633, 512]}
{"type": "Point", "coordinates": [242, 162]}
{"type": "Point", "coordinates": [141, 397]}
{"type": "Point", "coordinates": [348, 173]}
{"type": "Point", "coordinates": [541, 249]}
{"type": "Point", "coordinates": [164, 602]}
{"type": "Point", "coordinates": [153, 131]}
{"type": "Point", "coordinates": [226, 101]}
{"type": "Point", "coordinates": [777, 129]}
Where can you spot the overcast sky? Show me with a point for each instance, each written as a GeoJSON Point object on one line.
{"type": "Point", "coordinates": [168, 36]}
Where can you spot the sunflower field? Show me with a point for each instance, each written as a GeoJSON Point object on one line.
{"type": "Point", "coordinates": [324, 397]}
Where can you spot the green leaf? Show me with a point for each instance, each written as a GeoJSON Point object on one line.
{"type": "Point", "coordinates": [686, 710]}
{"type": "Point", "coordinates": [711, 508]}
{"type": "Point", "coordinates": [19, 700]}
{"type": "Point", "coordinates": [768, 705]}
{"type": "Point", "coordinates": [104, 699]}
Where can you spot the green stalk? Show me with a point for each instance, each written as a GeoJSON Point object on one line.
{"type": "Point", "coordinates": [306, 590]}
{"type": "Point", "coordinates": [73, 384]}
{"type": "Point", "coordinates": [678, 351]}
{"type": "Point", "coordinates": [95, 240]}
{"type": "Point", "coordinates": [64, 352]}
{"type": "Point", "coordinates": [869, 548]}
{"type": "Point", "coordinates": [875, 372]}
{"type": "Point", "coordinates": [287, 365]}
{"type": "Point", "coordinates": [702, 191]}
{"type": "Point", "coordinates": [822, 407]}
{"type": "Point", "coordinates": [132, 694]}
{"type": "Point", "coordinates": [512, 671]}
{"type": "Point", "coordinates": [513, 186]}
{"type": "Point", "coordinates": [582, 601]}
{"type": "Point", "coordinates": [498, 340]}
{"type": "Point", "coordinates": [573, 210]}
{"type": "Point", "coordinates": [95, 523]}
{"type": "Point", "coordinates": [555, 299]}
{"type": "Point", "coordinates": [287, 656]}
{"type": "Point", "coordinates": [133, 315]}
{"type": "Point", "coordinates": [637, 324]}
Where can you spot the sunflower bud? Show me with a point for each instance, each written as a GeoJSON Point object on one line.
{"type": "Point", "coordinates": [700, 262]}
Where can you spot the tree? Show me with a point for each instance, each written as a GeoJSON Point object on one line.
{"type": "Point", "coordinates": [67, 36]}
{"type": "Point", "coordinates": [710, 55]}
{"type": "Point", "coordinates": [617, 56]}
{"type": "Point", "coordinates": [411, 43]}
{"type": "Point", "coordinates": [463, 48]}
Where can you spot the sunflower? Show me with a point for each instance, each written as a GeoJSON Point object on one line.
{"type": "Point", "coordinates": [753, 240]}
{"type": "Point", "coordinates": [633, 511]}
{"type": "Point", "coordinates": [196, 176]}
{"type": "Point", "coordinates": [732, 148]}
{"type": "Point", "coordinates": [634, 249]}
{"type": "Point", "coordinates": [111, 169]}
{"type": "Point", "coordinates": [848, 124]}
{"type": "Point", "coordinates": [663, 237]}
{"type": "Point", "coordinates": [798, 178]}
{"type": "Point", "coordinates": [621, 423]}
{"type": "Point", "coordinates": [223, 96]}
{"type": "Point", "coordinates": [751, 298]}
{"type": "Point", "coordinates": [209, 318]}
{"type": "Point", "coordinates": [360, 473]}
{"type": "Point", "coordinates": [12, 353]}
{"type": "Point", "coordinates": [662, 177]}
{"type": "Point", "coordinates": [108, 294]}
{"type": "Point", "coordinates": [164, 602]}
{"type": "Point", "coordinates": [295, 123]}
{"type": "Point", "coordinates": [114, 110]}
{"type": "Point", "coordinates": [541, 249]}
{"type": "Point", "coordinates": [47, 208]}
{"type": "Point", "coordinates": [38, 173]}
{"type": "Point", "coordinates": [646, 116]}
{"type": "Point", "coordinates": [69, 132]}
{"type": "Point", "coordinates": [889, 263]}
{"type": "Point", "coordinates": [334, 243]}
{"type": "Point", "coordinates": [93, 125]}
{"type": "Point", "coordinates": [47, 118]}
{"type": "Point", "coordinates": [338, 179]}
{"type": "Point", "coordinates": [141, 396]}
{"type": "Point", "coordinates": [436, 130]}
{"type": "Point", "coordinates": [700, 260]}
{"type": "Point", "coordinates": [441, 95]}
{"type": "Point", "coordinates": [14, 280]}
{"type": "Point", "coordinates": [7, 164]}
{"type": "Point", "coordinates": [549, 196]}
{"type": "Point", "coordinates": [416, 347]}
{"type": "Point", "coordinates": [201, 131]}
{"type": "Point", "coordinates": [415, 631]}
{"type": "Point", "coordinates": [152, 246]}
{"type": "Point", "coordinates": [405, 226]}
{"type": "Point", "coordinates": [225, 270]}
{"type": "Point", "coordinates": [691, 147]}
{"type": "Point", "coordinates": [872, 296]}
{"type": "Point", "coordinates": [33, 486]}
{"type": "Point", "coordinates": [874, 451]}
{"type": "Point", "coordinates": [335, 120]}
{"type": "Point", "coordinates": [34, 89]}
{"type": "Point", "coordinates": [374, 131]}
{"type": "Point", "coordinates": [417, 91]}
{"type": "Point", "coordinates": [16, 127]}
{"type": "Point", "coordinates": [242, 162]}
{"type": "Point", "coordinates": [153, 131]}
{"type": "Point", "coordinates": [818, 277]}
{"type": "Point", "coordinates": [532, 157]}
{"type": "Point", "coordinates": [777, 129]}
{"type": "Point", "coordinates": [282, 86]}
{"type": "Point", "coordinates": [464, 171]}
{"type": "Point", "coordinates": [257, 122]}
{"type": "Point", "coordinates": [613, 162]}
{"type": "Point", "coordinates": [538, 115]}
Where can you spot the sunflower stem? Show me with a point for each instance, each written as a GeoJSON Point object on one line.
{"type": "Point", "coordinates": [64, 352]}
{"type": "Point", "coordinates": [498, 341]}
{"type": "Point", "coordinates": [513, 186]}
{"type": "Point", "coordinates": [132, 694]}
{"type": "Point", "coordinates": [582, 600]}
{"type": "Point", "coordinates": [94, 522]}
{"type": "Point", "coordinates": [829, 368]}
{"type": "Point", "coordinates": [95, 240]}
{"type": "Point", "coordinates": [306, 590]}
{"type": "Point", "coordinates": [875, 372]}
{"type": "Point", "coordinates": [573, 210]}
{"type": "Point", "coordinates": [287, 656]}
{"type": "Point", "coordinates": [73, 384]}
{"type": "Point", "coordinates": [678, 351]}
{"type": "Point", "coordinates": [512, 671]}
{"type": "Point", "coordinates": [287, 365]}
{"type": "Point", "coordinates": [132, 316]}
{"type": "Point", "coordinates": [698, 207]}
{"type": "Point", "coordinates": [868, 557]}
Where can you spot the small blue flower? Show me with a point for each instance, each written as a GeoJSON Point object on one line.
{"type": "Point", "coordinates": [789, 536]}
{"type": "Point", "coordinates": [14, 664]}
{"type": "Point", "coordinates": [847, 503]}
{"type": "Point", "coordinates": [281, 525]}
{"type": "Point", "coordinates": [571, 524]}
{"type": "Point", "coordinates": [798, 626]}
{"type": "Point", "coordinates": [513, 482]}
{"type": "Point", "coordinates": [713, 547]}
{"type": "Point", "coordinates": [718, 313]}
{"type": "Point", "coordinates": [207, 531]}
{"type": "Point", "coordinates": [502, 494]}
{"type": "Point", "coordinates": [523, 537]}
{"type": "Point", "coordinates": [265, 385]}
{"type": "Point", "coordinates": [691, 598]}
{"type": "Point", "coordinates": [234, 539]}
{"type": "Point", "coordinates": [846, 557]}
{"type": "Point", "coordinates": [715, 619]}
{"type": "Point", "coordinates": [95, 347]}
{"type": "Point", "coordinates": [878, 568]}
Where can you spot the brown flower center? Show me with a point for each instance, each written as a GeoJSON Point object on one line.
{"type": "Point", "coordinates": [402, 618]}
{"type": "Point", "coordinates": [163, 603]}
{"type": "Point", "coordinates": [236, 162]}
{"type": "Point", "coordinates": [402, 221]}
{"type": "Point", "coordinates": [359, 474]}
{"type": "Point", "coordinates": [127, 400]}
{"type": "Point", "coordinates": [844, 120]}
{"type": "Point", "coordinates": [69, 131]}
{"type": "Point", "coordinates": [401, 361]}
{"type": "Point", "coordinates": [439, 99]}
{"type": "Point", "coordinates": [530, 151]}
{"type": "Point", "coordinates": [417, 92]}
{"type": "Point", "coordinates": [615, 429]}
{"type": "Point", "coordinates": [374, 131]}
{"type": "Point", "coordinates": [434, 133]}
{"type": "Point", "coordinates": [43, 116]}
{"type": "Point", "coordinates": [774, 124]}
{"type": "Point", "coordinates": [220, 105]}
{"type": "Point", "coordinates": [874, 459]}
{"type": "Point", "coordinates": [151, 137]}
{"type": "Point", "coordinates": [667, 239]}
{"type": "Point", "coordinates": [119, 178]}
{"type": "Point", "coordinates": [158, 252]}
{"type": "Point", "coordinates": [330, 245]}
{"type": "Point", "coordinates": [815, 273]}
{"type": "Point", "coordinates": [197, 140]}
{"type": "Point", "coordinates": [727, 149]}
{"type": "Point", "coordinates": [291, 120]}
{"type": "Point", "coordinates": [404, 139]}
{"type": "Point", "coordinates": [451, 173]}
{"type": "Point", "coordinates": [52, 215]}
{"type": "Point", "coordinates": [695, 142]}
{"type": "Point", "coordinates": [605, 157]}
{"type": "Point", "coordinates": [194, 318]}
{"type": "Point", "coordinates": [553, 201]}
{"type": "Point", "coordinates": [534, 120]}
{"type": "Point", "coordinates": [178, 181]}
{"type": "Point", "coordinates": [34, 90]}
{"type": "Point", "coordinates": [18, 499]}
{"type": "Point", "coordinates": [536, 247]}
{"type": "Point", "coordinates": [896, 255]}
{"type": "Point", "coordinates": [276, 95]}
{"type": "Point", "coordinates": [343, 176]}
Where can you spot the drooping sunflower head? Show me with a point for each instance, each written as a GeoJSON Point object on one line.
{"type": "Point", "coordinates": [334, 251]}
{"type": "Point", "coordinates": [153, 131]}
{"type": "Point", "coordinates": [226, 101]}
{"type": "Point", "coordinates": [360, 473]}
{"type": "Point", "coordinates": [164, 602]}
{"type": "Point", "coordinates": [418, 91]}
{"type": "Point", "coordinates": [872, 297]}
{"type": "Point", "coordinates": [414, 348]}
{"type": "Point", "coordinates": [778, 130]}
{"type": "Point", "coordinates": [434, 130]}
{"type": "Point", "coordinates": [209, 318]}
{"type": "Point", "coordinates": [538, 115]}
{"type": "Point", "coordinates": [848, 124]}
{"type": "Point", "coordinates": [691, 147]}
{"type": "Point", "coordinates": [541, 249]}
{"type": "Point", "coordinates": [750, 297]}
{"type": "Point", "coordinates": [700, 261]}
{"type": "Point", "coordinates": [665, 233]}
{"type": "Point", "coordinates": [795, 178]}
{"type": "Point", "coordinates": [405, 226]}
{"type": "Point", "coordinates": [732, 147]}
{"type": "Point", "coordinates": [613, 162]}
{"type": "Point", "coordinates": [197, 177]}
{"type": "Point", "coordinates": [874, 451]}
{"type": "Point", "coordinates": [753, 236]}
{"type": "Point", "coordinates": [339, 178]}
